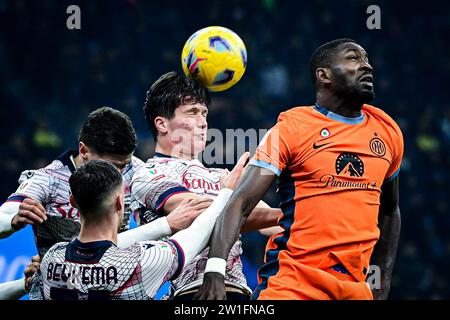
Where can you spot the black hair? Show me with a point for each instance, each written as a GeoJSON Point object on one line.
{"type": "Point", "coordinates": [92, 183]}
{"type": "Point", "coordinates": [322, 56]}
{"type": "Point", "coordinates": [109, 131]}
{"type": "Point", "coordinates": [169, 92]}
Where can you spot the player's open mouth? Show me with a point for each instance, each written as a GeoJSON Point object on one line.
{"type": "Point", "coordinates": [367, 79]}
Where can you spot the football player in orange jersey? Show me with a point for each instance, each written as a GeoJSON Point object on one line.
{"type": "Point", "coordinates": [337, 165]}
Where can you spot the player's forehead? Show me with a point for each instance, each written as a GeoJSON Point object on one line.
{"type": "Point", "coordinates": [192, 106]}
{"type": "Point", "coordinates": [348, 47]}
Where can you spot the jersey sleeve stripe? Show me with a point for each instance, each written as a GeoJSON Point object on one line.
{"type": "Point", "coordinates": [167, 194]}
{"type": "Point", "coordinates": [265, 165]}
{"type": "Point", "coordinates": [394, 175]}
{"type": "Point", "coordinates": [180, 258]}
{"type": "Point", "coordinates": [16, 198]}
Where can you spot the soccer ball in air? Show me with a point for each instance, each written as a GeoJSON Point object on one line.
{"type": "Point", "coordinates": [216, 56]}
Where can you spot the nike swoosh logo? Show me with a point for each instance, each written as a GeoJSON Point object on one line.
{"type": "Point", "coordinates": [317, 146]}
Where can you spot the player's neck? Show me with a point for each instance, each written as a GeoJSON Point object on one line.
{"type": "Point", "coordinates": [97, 232]}
{"type": "Point", "coordinates": [341, 106]}
{"type": "Point", "coordinates": [173, 152]}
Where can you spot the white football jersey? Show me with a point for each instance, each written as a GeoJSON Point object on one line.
{"type": "Point", "coordinates": [100, 270]}
{"type": "Point", "coordinates": [162, 177]}
{"type": "Point", "coordinates": [50, 186]}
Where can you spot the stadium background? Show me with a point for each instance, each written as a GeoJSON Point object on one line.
{"type": "Point", "coordinates": [51, 78]}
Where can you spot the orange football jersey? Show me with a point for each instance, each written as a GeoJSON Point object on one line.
{"type": "Point", "coordinates": [330, 171]}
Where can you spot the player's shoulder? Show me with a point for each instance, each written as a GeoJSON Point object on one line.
{"type": "Point", "coordinates": [149, 166]}
{"type": "Point", "coordinates": [381, 116]}
{"type": "Point", "coordinates": [136, 162]}
{"type": "Point", "coordinates": [296, 119]}
{"type": "Point", "coordinates": [160, 159]}
{"type": "Point", "coordinates": [165, 163]}
{"type": "Point", "coordinates": [298, 112]}
{"type": "Point", "coordinates": [40, 176]}
{"type": "Point", "coordinates": [59, 168]}
{"type": "Point", "coordinates": [159, 167]}
{"type": "Point", "coordinates": [57, 247]}
{"type": "Point", "coordinates": [134, 165]}
{"type": "Point", "coordinates": [300, 115]}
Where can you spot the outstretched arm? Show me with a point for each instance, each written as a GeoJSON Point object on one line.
{"type": "Point", "coordinates": [389, 222]}
{"type": "Point", "coordinates": [228, 226]}
{"type": "Point", "coordinates": [180, 218]}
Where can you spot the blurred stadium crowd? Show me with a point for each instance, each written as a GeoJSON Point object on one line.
{"type": "Point", "coordinates": [51, 78]}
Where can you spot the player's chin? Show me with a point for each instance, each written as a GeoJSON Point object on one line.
{"type": "Point", "coordinates": [366, 94]}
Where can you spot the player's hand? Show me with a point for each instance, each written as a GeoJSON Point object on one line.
{"type": "Point", "coordinates": [30, 270]}
{"type": "Point", "coordinates": [213, 287]}
{"type": "Point", "coordinates": [186, 212]}
{"type": "Point", "coordinates": [30, 212]}
{"type": "Point", "coordinates": [231, 179]}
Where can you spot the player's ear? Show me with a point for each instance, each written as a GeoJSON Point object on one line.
{"type": "Point", "coordinates": [161, 124]}
{"type": "Point", "coordinates": [119, 202]}
{"type": "Point", "coordinates": [323, 75]}
{"type": "Point", "coordinates": [83, 150]}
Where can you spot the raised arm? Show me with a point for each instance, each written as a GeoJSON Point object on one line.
{"type": "Point", "coordinates": [389, 222]}
{"type": "Point", "coordinates": [250, 190]}
{"type": "Point", "coordinates": [180, 218]}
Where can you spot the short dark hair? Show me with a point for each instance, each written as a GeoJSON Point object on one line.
{"type": "Point", "coordinates": [169, 92]}
{"type": "Point", "coordinates": [92, 183]}
{"type": "Point", "coordinates": [322, 56]}
{"type": "Point", "coordinates": [109, 131]}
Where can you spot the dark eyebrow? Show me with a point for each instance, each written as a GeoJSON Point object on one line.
{"type": "Point", "coordinates": [194, 108]}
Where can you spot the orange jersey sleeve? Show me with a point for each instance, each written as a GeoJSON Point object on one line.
{"type": "Point", "coordinates": [277, 147]}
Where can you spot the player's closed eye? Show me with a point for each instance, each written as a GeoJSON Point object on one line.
{"type": "Point", "coordinates": [192, 112]}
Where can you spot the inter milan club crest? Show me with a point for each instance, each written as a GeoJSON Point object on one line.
{"type": "Point", "coordinates": [378, 147]}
